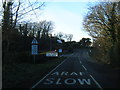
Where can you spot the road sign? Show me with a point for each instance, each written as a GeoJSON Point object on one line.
{"type": "Point", "coordinates": [60, 50]}
{"type": "Point", "coordinates": [34, 41]}
{"type": "Point", "coordinates": [34, 50]}
{"type": "Point", "coordinates": [52, 54]}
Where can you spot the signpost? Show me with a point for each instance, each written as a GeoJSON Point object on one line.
{"type": "Point", "coordinates": [34, 48]}
{"type": "Point", "coordinates": [60, 52]}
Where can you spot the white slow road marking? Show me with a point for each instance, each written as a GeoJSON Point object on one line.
{"type": "Point", "coordinates": [49, 73]}
{"type": "Point", "coordinates": [84, 67]}
{"type": "Point", "coordinates": [96, 82]}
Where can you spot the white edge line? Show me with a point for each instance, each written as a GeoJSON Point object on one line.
{"type": "Point", "coordinates": [96, 82]}
{"type": "Point", "coordinates": [84, 67]}
{"type": "Point", "coordinates": [80, 62]}
{"type": "Point", "coordinates": [48, 73]}
{"type": "Point", "coordinates": [81, 73]}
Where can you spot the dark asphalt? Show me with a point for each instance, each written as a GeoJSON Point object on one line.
{"type": "Point", "coordinates": [79, 70]}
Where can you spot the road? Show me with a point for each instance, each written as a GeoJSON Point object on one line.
{"type": "Point", "coordinates": [79, 70]}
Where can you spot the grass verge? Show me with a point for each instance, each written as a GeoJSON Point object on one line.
{"type": "Point", "coordinates": [24, 75]}
{"type": "Point", "coordinates": [98, 58]}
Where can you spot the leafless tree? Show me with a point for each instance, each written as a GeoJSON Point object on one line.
{"type": "Point", "coordinates": [69, 37]}
{"type": "Point", "coordinates": [60, 35]}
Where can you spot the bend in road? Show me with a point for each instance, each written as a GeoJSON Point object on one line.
{"type": "Point", "coordinates": [78, 71]}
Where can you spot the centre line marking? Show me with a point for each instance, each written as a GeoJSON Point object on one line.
{"type": "Point", "coordinates": [80, 62]}
{"type": "Point", "coordinates": [96, 82]}
{"type": "Point", "coordinates": [84, 67]}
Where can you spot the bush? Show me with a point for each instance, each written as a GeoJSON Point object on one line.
{"type": "Point", "coordinates": [17, 57]}
{"type": "Point", "coordinates": [115, 55]}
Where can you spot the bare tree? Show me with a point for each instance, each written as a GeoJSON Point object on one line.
{"type": "Point", "coordinates": [103, 23]}
{"type": "Point", "coordinates": [68, 37]}
{"type": "Point", "coordinates": [41, 29]}
{"type": "Point", "coordinates": [101, 20]}
{"type": "Point", "coordinates": [60, 35]}
{"type": "Point", "coordinates": [15, 11]}
{"type": "Point", "coordinates": [12, 12]}
{"type": "Point", "coordinates": [46, 28]}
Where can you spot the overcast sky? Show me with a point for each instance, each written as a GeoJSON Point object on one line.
{"type": "Point", "coordinates": [67, 17]}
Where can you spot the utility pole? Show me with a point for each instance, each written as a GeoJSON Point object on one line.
{"type": "Point", "coordinates": [50, 42]}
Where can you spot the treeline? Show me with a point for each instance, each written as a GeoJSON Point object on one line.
{"type": "Point", "coordinates": [103, 24]}
{"type": "Point", "coordinates": [17, 42]}
{"type": "Point", "coordinates": [17, 36]}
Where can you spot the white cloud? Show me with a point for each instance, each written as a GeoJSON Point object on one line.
{"type": "Point", "coordinates": [66, 22]}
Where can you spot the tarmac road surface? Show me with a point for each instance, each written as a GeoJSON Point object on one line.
{"type": "Point", "coordinates": [79, 70]}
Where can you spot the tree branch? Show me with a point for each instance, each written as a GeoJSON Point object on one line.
{"type": "Point", "coordinates": [32, 9]}
{"type": "Point", "coordinates": [15, 21]}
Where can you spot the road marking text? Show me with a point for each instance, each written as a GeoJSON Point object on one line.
{"type": "Point", "coordinates": [67, 81]}
{"type": "Point", "coordinates": [67, 73]}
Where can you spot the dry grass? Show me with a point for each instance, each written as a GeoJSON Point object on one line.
{"type": "Point", "coordinates": [15, 74]}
